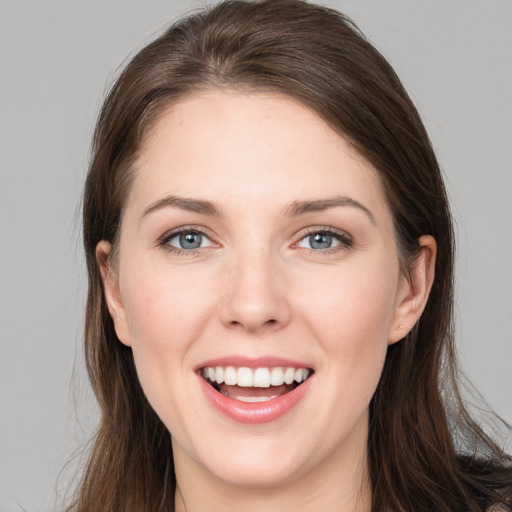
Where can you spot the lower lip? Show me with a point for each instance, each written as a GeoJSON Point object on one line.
{"type": "Point", "coordinates": [255, 413]}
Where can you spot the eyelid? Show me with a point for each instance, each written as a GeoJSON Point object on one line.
{"type": "Point", "coordinates": [345, 239]}
{"type": "Point", "coordinates": [163, 241]}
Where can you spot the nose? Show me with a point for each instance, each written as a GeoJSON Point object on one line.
{"type": "Point", "coordinates": [255, 295]}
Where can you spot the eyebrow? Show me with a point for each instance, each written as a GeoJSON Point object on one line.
{"type": "Point", "coordinates": [302, 207]}
{"type": "Point", "coordinates": [296, 208]}
{"type": "Point", "coordinates": [190, 205]}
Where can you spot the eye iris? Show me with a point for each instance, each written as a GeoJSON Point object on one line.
{"type": "Point", "coordinates": [320, 241]}
{"type": "Point", "coordinates": [190, 240]}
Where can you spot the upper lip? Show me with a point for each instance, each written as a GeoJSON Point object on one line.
{"type": "Point", "coordinates": [253, 362]}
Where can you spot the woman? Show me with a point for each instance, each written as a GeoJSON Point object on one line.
{"type": "Point", "coordinates": [270, 256]}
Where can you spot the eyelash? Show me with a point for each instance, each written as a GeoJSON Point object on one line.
{"type": "Point", "coordinates": [345, 240]}
{"type": "Point", "coordinates": [164, 241]}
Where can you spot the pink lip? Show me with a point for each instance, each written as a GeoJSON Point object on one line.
{"type": "Point", "coordinates": [254, 413]}
{"type": "Point", "coordinates": [250, 362]}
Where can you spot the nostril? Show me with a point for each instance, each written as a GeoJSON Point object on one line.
{"type": "Point", "coordinates": [268, 322]}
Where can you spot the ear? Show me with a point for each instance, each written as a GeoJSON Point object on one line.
{"type": "Point", "coordinates": [112, 292]}
{"type": "Point", "coordinates": [413, 293]}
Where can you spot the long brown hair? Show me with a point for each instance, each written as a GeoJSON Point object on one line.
{"type": "Point", "coordinates": [319, 57]}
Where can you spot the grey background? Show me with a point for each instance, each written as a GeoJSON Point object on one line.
{"type": "Point", "coordinates": [57, 57]}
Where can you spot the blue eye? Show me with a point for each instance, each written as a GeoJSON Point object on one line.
{"type": "Point", "coordinates": [324, 240]}
{"type": "Point", "coordinates": [188, 240]}
{"type": "Point", "coordinates": [321, 241]}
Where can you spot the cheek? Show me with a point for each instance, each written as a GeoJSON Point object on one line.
{"type": "Point", "coordinates": [166, 313]}
{"type": "Point", "coordinates": [350, 319]}
{"type": "Point", "coordinates": [165, 309]}
{"type": "Point", "coordinates": [351, 309]}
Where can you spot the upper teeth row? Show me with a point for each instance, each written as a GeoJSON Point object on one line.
{"type": "Point", "coordinates": [254, 377]}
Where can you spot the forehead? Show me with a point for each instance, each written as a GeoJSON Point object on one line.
{"type": "Point", "coordinates": [250, 148]}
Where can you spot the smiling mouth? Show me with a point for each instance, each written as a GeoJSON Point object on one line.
{"type": "Point", "coordinates": [254, 384]}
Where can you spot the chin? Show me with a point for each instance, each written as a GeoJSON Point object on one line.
{"type": "Point", "coordinates": [258, 474]}
{"type": "Point", "coordinates": [260, 461]}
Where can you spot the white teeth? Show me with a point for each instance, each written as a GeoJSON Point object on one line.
{"type": "Point", "coordinates": [289, 375]}
{"type": "Point", "coordinates": [261, 378]}
{"type": "Point", "coordinates": [244, 377]}
{"type": "Point", "coordinates": [301, 374]}
{"type": "Point", "coordinates": [230, 376]}
{"type": "Point", "coordinates": [276, 377]}
{"type": "Point", "coordinates": [255, 377]}
{"type": "Point", "coordinates": [254, 399]}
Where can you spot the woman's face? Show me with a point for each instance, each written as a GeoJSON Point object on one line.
{"type": "Point", "coordinates": [257, 250]}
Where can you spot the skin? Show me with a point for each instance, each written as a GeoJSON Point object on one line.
{"type": "Point", "coordinates": [256, 288]}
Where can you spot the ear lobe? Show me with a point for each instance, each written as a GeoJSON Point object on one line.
{"type": "Point", "coordinates": [413, 293]}
{"type": "Point", "coordinates": [112, 292]}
